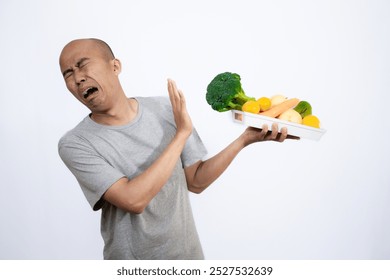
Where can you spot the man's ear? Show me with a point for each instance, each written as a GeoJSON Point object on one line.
{"type": "Point", "coordinates": [117, 66]}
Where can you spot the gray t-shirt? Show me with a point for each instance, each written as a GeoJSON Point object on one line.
{"type": "Point", "coordinates": [100, 155]}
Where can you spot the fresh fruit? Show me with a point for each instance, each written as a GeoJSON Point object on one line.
{"type": "Point", "coordinates": [303, 108]}
{"type": "Point", "coordinates": [265, 103]}
{"type": "Point", "coordinates": [311, 120]}
{"type": "Point", "coordinates": [275, 111]}
{"type": "Point", "coordinates": [251, 106]}
{"type": "Point", "coordinates": [291, 115]}
{"type": "Point", "coordinates": [277, 99]}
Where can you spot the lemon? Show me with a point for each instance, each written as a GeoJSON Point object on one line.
{"type": "Point", "coordinates": [265, 103]}
{"type": "Point", "coordinates": [311, 120]}
{"type": "Point", "coordinates": [251, 106]}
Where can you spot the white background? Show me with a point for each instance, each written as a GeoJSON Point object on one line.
{"type": "Point", "coordinates": [296, 200]}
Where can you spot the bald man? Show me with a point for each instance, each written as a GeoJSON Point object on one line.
{"type": "Point", "coordinates": [137, 158]}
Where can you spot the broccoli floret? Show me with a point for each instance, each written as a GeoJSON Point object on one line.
{"type": "Point", "coordinates": [225, 93]}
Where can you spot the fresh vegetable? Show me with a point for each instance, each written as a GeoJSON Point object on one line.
{"type": "Point", "coordinates": [303, 108]}
{"type": "Point", "coordinates": [291, 116]}
{"type": "Point", "coordinates": [277, 99]}
{"type": "Point", "coordinates": [251, 106]}
{"type": "Point", "coordinates": [275, 111]}
{"type": "Point", "coordinates": [265, 103]}
{"type": "Point", "coordinates": [225, 93]}
{"type": "Point", "coordinates": [311, 120]}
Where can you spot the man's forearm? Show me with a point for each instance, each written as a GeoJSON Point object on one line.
{"type": "Point", "coordinates": [208, 171]}
{"type": "Point", "coordinates": [201, 175]}
{"type": "Point", "coordinates": [159, 172]}
{"type": "Point", "coordinates": [135, 194]}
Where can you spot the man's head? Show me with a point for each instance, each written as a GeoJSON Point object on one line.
{"type": "Point", "coordinates": [90, 71]}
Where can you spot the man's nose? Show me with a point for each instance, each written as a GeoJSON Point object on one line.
{"type": "Point", "coordinates": [79, 77]}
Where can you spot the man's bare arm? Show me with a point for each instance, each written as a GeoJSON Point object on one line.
{"type": "Point", "coordinates": [201, 174]}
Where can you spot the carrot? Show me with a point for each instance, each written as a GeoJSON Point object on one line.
{"type": "Point", "coordinates": [275, 111]}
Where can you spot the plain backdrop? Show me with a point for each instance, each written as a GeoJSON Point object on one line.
{"type": "Point", "coordinates": [296, 200]}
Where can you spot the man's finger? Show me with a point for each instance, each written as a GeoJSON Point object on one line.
{"type": "Point", "coordinates": [283, 134]}
{"type": "Point", "coordinates": [172, 92]}
{"type": "Point", "coordinates": [181, 96]}
{"type": "Point", "coordinates": [264, 131]}
{"type": "Point", "coordinates": [274, 132]}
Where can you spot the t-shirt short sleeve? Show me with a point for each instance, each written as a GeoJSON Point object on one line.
{"type": "Point", "coordinates": [194, 150]}
{"type": "Point", "coordinates": [94, 174]}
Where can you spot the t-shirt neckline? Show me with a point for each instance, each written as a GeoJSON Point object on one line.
{"type": "Point", "coordinates": [118, 127]}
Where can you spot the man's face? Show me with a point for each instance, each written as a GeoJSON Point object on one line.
{"type": "Point", "coordinates": [90, 75]}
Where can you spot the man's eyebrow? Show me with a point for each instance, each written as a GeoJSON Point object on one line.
{"type": "Point", "coordinates": [66, 72]}
{"type": "Point", "coordinates": [81, 60]}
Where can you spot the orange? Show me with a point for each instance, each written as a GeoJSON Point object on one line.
{"type": "Point", "coordinates": [311, 120]}
{"type": "Point", "coordinates": [265, 103]}
{"type": "Point", "coordinates": [251, 106]}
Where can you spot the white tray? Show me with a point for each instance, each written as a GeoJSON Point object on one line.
{"type": "Point", "coordinates": [300, 130]}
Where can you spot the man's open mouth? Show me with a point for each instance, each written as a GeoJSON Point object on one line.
{"type": "Point", "coordinates": [89, 91]}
